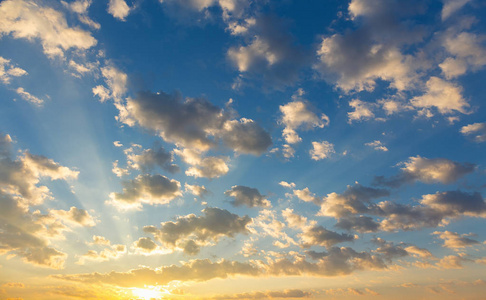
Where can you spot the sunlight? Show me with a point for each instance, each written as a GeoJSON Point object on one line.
{"type": "Point", "coordinates": [148, 294]}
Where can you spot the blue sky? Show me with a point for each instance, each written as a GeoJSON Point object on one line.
{"type": "Point", "coordinates": [235, 149]}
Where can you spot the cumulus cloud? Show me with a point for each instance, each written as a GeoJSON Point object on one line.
{"type": "Point", "coordinates": [109, 253]}
{"type": "Point", "coordinates": [248, 196]}
{"type": "Point", "coordinates": [427, 170]}
{"type": "Point", "coordinates": [146, 189]}
{"type": "Point", "coordinates": [22, 175]}
{"type": "Point", "coordinates": [118, 9]}
{"type": "Point", "coordinates": [443, 95]}
{"type": "Point", "coordinates": [8, 70]}
{"type": "Point", "coordinates": [116, 80]}
{"type": "Point", "coordinates": [377, 145]}
{"type": "Point", "coordinates": [354, 61]}
{"type": "Point", "coordinates": [299, 114]}
{"type": "Point", "coordinates": [27, 20]}
{"type": "Point", "coordinates": [286, 184]}
{"type": "Point", "coordinates": [454, 240]}
{"type": "Point", "coordinates": [147, 160]}
{"type": "Point", "coordinates": [477, 130]}
{"type": "Point", "coordinates": [75, 216]}
{"type": "Point", "coordinates": [321, 150]}
{"type": "Point", "coordinates": [194, 123]}
{"type": "Point", "coordinates": [80, 7]}
{"type": "Point", "coordinates": [190, 232]}
{"type": "Point", "coordinates": [193, 270]}
{"type": "Point", "coordinates": [24, 235]}
{"type": "Point", "coordinates": [269, 51]}
{"type": "Point", "coordinates": [362, 224]}
{"type": "Point", "coordinates": [467, 53]}
{"type": "Point", "coordinates": [354, 200]}
{"type": "Point", "coordinates": [29, 97]}
{"type": "Point", "coordinates": [307, 196]}
{"type": "Point", "coordinates": [435, 209]}
{"type": "Point", "coordinates": [362, 110]}
{"type": "Point", "coordinates": [209, 167]}
{"type": "Point", "coordinates": [197, 190]}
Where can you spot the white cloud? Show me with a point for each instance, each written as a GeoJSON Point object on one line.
{"type": "Point", "coordinates": [478, 130]}
{"type": "Point", "coordinates": [454, 240]}
{"type": "Point", "coordinates": [298, 114]}
{"type": "Point", "coordinates": [29, 97]}
{"type": "Point", "coordinates": [443, 95]}
{"type": "Point", "coordinates": [118, 9]}
{"type": "Point", "coordinates": [209, 167]}
{"type": "Point", "coordinates": [80, 7]}
{"type": "Point", "coordinates": [362, 110]}
{"type": "Point", "coordinates": [196, 190]}
{"type": "Point", "coordinates": [377, 145]}
{"type": "Point", "coordinates": [75, 216]}
{"type": "Point", "coordinates": [8, 70]}
{"type": "Point", "coordinates": [28, 20]}
{"type": "Point", "coordinates": [321, 150]}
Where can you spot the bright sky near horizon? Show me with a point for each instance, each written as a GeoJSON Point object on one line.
{"type": "Point", "coordinates": [242, 149]}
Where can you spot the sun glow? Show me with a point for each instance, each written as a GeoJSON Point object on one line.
{"type": "Point", "coordinates": [148, 293]}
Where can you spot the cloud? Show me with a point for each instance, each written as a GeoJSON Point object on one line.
{"type": "Point", "coordinates": [100, 240]}
{"type": "Point", "coordinates": [194, 123]}
{"type": "Point", "coordinates": [454, 240]}
{"type": "Point", "coordinates": [118, 9]}
{"type": "Point", "coordinates": [362, 224]}
{"type": "Point", "coordinates": [299, 114]}
{"type": "Point", "coordinates": [434, 210]}
{"type": "Point", "coordinates": [377, 145]}
{"type": "Point", "coordinates": [116, 80]}
{"type": "Point", "coordinates": [149, 159]}
{"type": "Point", "coordinates": [428, 171]}
{"type": "Point", "coordinates": [212, 226]}
{"type": "Point", "coordinates": [29, 97]}
{"type": "Point", "coordinates": [362, 111]}
{"type": "Point", "coordinates": [21, 176]}
{"type": "Point", "coordinates": [80, 7]}
{"type": "Point", "coordinates": [321, 150]}
{"type": "Point", "coordinates": [27, 20]}
{"type": "Point", "coordinates": [354, 61]}
{"type": "Point", "coordinates": [452, 262]}
{"type": "Point", "coordinates": [478, 130]}
{"type": "Point", "coordinates": [467, 53]}
{"type": "Point", "coordinates": [451, 6]}
{"type": "Point", "coordinates": [8, 70]}
{"type": "Point", "coordinates": [443, 95]}
{"type": "Point", "coordinates": [307, 196]}
{"type": "Point", "coordinates": [320, 236]}
{"type": "Point", "coordinates": [248, 196]}
{"type": "Point", "coordinates": [354, 200]}
{"type": "Point", "coordinates": [109, 253]}
{"type": "Point", "coordinates": [24, 235]}
{"type": "Point", "coordinates": [287, 184]}
{"type": "Point", "coordinates": [145, 244]}
{"type": "Point", "coordinates": [75, 216]}
{"type": "Point", "coordinates": [209, 167]}
{"type": "Point", "coordinates": [193, 270]}
{"type": "Point", "coordinates": [293, 293]}
{"type": "Point", "coordinates": [146, 189]}
{"type": "Point", "coordinates": [197, 190]}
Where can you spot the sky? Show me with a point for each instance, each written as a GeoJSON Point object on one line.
{"type": "Point", "coordinates": [242, 149]}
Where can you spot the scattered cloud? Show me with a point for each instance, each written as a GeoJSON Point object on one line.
{"type": "Point", "coordinates": [27, 20]}
{"type": "Point", "coordinates": [428, 171]}
{"type": "Point", "coordinates": [477, 130]}
{"type": "Point", "coordinates": [190, 232]}
{"type": "Point", "coordinates": [321, 150]}
{"type": "Point", "coordinates": [146, 189]}
{"type": "Point", "coordinates": [377, 145]}
{"type": "Point", "coordinates": [248, 196]}
{"type": "Point", "coordinates": [454, 240]}
{"type": "Point", "coordinates": [118, 9]}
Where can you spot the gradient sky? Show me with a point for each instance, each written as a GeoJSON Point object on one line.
{"type": "Point", "coordinates": [242, 149]}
